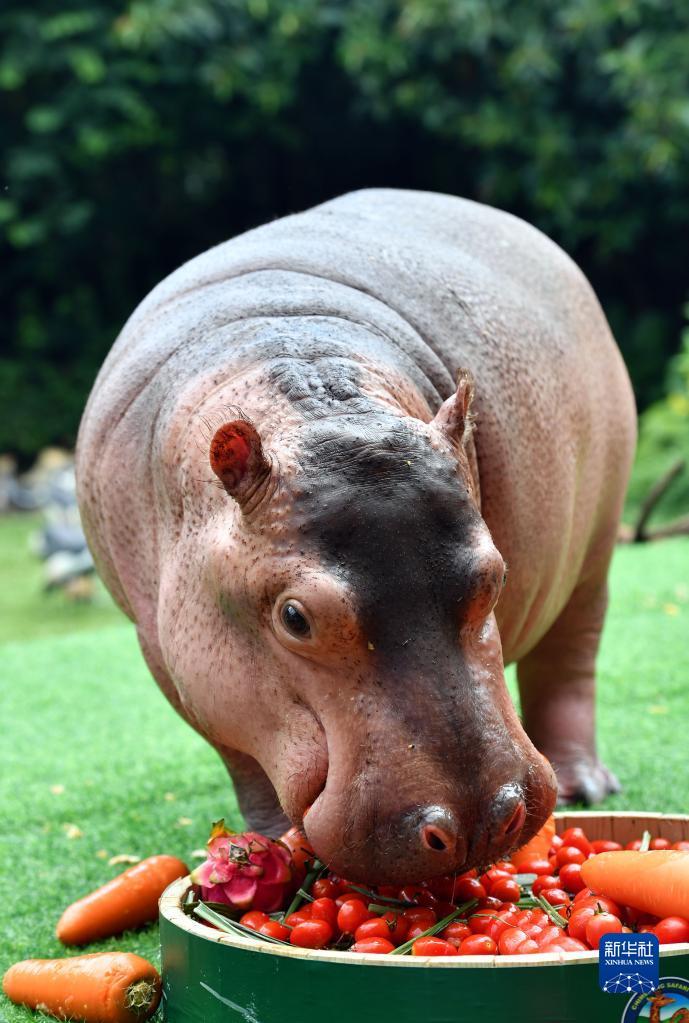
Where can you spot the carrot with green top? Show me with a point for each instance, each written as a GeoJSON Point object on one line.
{"type": "Point", "coordinates": [655, 882]}
{"type": "Point", "coordinates": [105, 987]}
{"type": "Point", "coordinates": [130, 900]}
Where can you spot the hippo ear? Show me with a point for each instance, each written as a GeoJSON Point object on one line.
{"type": "Point", "coordinates": [238, 460]}
{"type": "Point", "coordinates": [453, 417]}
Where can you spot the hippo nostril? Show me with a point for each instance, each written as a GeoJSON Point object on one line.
{"type": "Point", "coordinates": [434, 838]}
{"type": "Point", "coordinates": [516, 821]}
{"type": "Point", "coordinates": [509, 812]}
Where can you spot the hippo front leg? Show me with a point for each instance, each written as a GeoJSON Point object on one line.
{"type": "Point", "coordinates": [256, 796]}
{"type": "Point", "coordinates": [557, 689]}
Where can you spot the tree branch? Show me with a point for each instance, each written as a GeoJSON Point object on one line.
{"type": "Point", "coordinates": [639, 533]}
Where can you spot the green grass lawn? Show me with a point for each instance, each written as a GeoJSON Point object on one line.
{"type": "Point", "coordinates": [94, 762]}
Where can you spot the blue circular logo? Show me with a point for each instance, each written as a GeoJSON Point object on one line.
{"type": "Point", "coordinates": [669, 1003]}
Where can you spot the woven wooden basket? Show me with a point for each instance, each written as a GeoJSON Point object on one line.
{"type": "Point", "coordinates": [210, 976]}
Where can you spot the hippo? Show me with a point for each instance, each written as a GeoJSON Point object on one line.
{"type": "Point", "coordinates": [339, 471]}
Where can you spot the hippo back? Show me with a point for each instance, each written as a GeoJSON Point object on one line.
{"type": "Point", "coordinates": [441, 283]}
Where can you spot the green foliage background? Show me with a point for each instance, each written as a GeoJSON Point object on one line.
{"type": "Point", "coordinates": [135, 136]}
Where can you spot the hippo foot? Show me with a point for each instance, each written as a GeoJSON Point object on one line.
{"type": "Point", "coordinates": [583, 780]}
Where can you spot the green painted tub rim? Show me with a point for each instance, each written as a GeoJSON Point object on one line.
{"type": "Point", "coordinates": [171, 908]}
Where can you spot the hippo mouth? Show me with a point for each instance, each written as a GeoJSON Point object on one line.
{"type": "Point", "coordinates": [422, 841]}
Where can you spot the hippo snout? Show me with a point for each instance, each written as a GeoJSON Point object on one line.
{"type": "Point", "coordinates": [435, 832]}
{"type": "Point", "coordinates": [417, 842]}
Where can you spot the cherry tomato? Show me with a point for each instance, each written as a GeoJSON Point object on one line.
{"type": "Point", "coordinates": [477, 945]}
{"type": "Point", "coordinates": [510, 939]}
{"type": "Point", "coordinates": [502, 922]}
{"type": "Point", "coordinates": [376, 946]}
{"type": "Point", "coordinates": [456, 932]}
{"type": "Point", "coordinates": [527, 947]}
{"type": "Point", "coordinates": [547, 934]}
{"type": "Point", "coordinates": [420, 915]}
{"type": "Point", "coordinates": [570, 878]}
{"type": "Point", "coordinates": [556, 897]}
{"type": "Point", "coordinates": [600, 924]}
{"type": "Point", "coordinates": [524, 916]}
{"type": "Point", "coordinates": [660, 843]}
{"type": "Point", "coordinates": [480, 921]}
{"type": "Point", "coordinates": [469, 888]}
{"type": "Point", "coordinates": [491, 876]}
{"type": "Point", "coordinates": [340, 883]}
{"type": "Point", "coordinates": [324, 909]}
{"type": "Point", "coordinates": [380, 927]}
{"type": "Point", "coordinates": [253, 919]}
{"type": "Point", "coordinates": [576, 837]}
{"type": "Point", "coordinates": [349, 897]}
{"type": "Point", "coordinates": [683, 845]}
{"type": "Point", "coordinates": [531, 916]}
{"type": "Point", "coordinates": [506, 865]}
{"type": "Point", "coordinates": [576, 925]}
{"type": "Point", "coordinates": [634, 845]}
{"type": "Point", "coordinates": [583, 893]}
{"type": "Point", "coordinates": [601, 904]}
{"type": "Point", "coordinates": [535, 866]}
{"type": "Point", "coordinates": [600, 845]}
{"type": "Point", "coordinates": [570, 854]}
{"type": "Point", "coordinates": [671, 930]}
{"type": "Point", "coordinates": [300, 848]}
{"type": "Point", "coordinates": [311, 934]}
{"type": "Point", "coordinates": [543, 882]}
{"type": "Point", "coordinates": [300, 916]}
{"type": "Point", "coordinates": [347, 887]}
{"type": "Point", "coordinates": [433, 946]}
{"type": "Point", "coordinates": [443, 887]}
{"type": "Point", "coordinates": [506, 889]}
{"type": "Point", "coordinates": [397, 927]}
{"type": "Point", "coordinates": [376, 927]}
{"type": "Point", "coordinates": [388, 891]}
{"type": "Point", "coordinates": [274, 929]}
{"type": "Point", "coordinates": [324, 888]}
{"type": "Point", "coordinates": [351, 914]}
{"type": "Point", "coordinates": [564, 943]}
{"type": "Point", "coordinates": [427, 898]}
{"type": "Point", "coordinates": [417, 930]}
{"type": "Point", "coordinates": [416, 895]}
{"type": "Point", "coordinates": [488, 903]}
{"type": "Point", "coordinates": [555, 844]}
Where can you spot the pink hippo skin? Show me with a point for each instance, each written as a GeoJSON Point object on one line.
{"type": "Point", "coordinates": [303, 470]}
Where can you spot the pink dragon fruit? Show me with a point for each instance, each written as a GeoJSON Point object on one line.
{"type": "Point", "coordinates": [247, 871]}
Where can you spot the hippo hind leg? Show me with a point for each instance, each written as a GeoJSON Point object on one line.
{"type": "Point", "coordinates": [557, 690]}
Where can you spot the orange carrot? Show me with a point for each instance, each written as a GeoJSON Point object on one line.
{"type": "Point", "coordinates": [129, 900]}
{"type": "Point", "coordinates": [538, 847]}
{"type": "Point", "coordinates": [104, 987]}
{"type": "Point", "coordinates": [655, 882]}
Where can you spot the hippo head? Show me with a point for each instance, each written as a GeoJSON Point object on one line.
{"type": "Point", "coordinates": [365, 613]}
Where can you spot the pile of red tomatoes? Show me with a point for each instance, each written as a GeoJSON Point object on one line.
{"type": "Point", "coordinates": [541, 906]}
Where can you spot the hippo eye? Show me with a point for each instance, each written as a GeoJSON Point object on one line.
{"type": "Point", "coordinates": [294, 621]}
